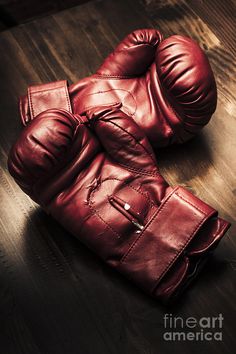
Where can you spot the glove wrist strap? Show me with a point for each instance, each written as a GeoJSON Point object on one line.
{"type": "Point", "coordinates": [165, 238]}
{"type": "Point", "coordinates": [42, 97]}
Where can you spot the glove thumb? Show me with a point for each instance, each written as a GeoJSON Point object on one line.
{"type": "Point", "coordinates": [122, 138]}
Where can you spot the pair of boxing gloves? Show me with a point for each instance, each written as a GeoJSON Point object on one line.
{"type": "Point", "coordinates": [85, 157]}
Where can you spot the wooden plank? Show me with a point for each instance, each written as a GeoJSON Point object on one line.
{"type": "Point", "coordinates": [220, 17]}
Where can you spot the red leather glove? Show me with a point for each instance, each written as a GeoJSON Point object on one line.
{"type": "Point", "coordinates": [110, 195]}
{"type": "Point", "coordinates": [167, 86]}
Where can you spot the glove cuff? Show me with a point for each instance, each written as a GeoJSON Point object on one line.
{"type": "Point", "coordinates": [42, 97]}
{"type": "Point", "coordinates": [165, 242]}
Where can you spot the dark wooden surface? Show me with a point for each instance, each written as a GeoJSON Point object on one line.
{"type": "Point", "coordinates": [55, 295]}
{"type": "Point", "coordinates": [14, 12]}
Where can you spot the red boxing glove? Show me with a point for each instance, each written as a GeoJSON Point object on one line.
{"type": "Point", "coordinates": [166, 86]}
{"type": "Point", "coordinates": [97, 176]}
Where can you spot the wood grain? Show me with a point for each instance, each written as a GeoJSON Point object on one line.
{"type": "Point", "coordinates": [55, 295]}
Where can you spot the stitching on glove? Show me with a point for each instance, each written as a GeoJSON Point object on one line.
{"type": "Point", "coordinates": [125, 50]}
{"type": "Point", "coordinates": [90, 201]}
{"type": "Point", "coordinates": [142, 172]}
{"type": "Point", "coordinates": [94, 211]}
{"type": "Point", "coordinates": [151, 203]}
{"type": "Point", "coordinates": [159, 210]}
{"type": "Point", "coordinates": [46, 90]}
{"type": "Point", "coordinates": [178, 252]}
{"type": "Point", "coordinates": [31, 104]}
{"type": "Point", "coordinates": [185, 200]}
{"type": "Point", "coordinates": [67, 99]}
{"type": "Point", "coordinates": [136, 140]}
{"type": "Point", "coordinates": [99, 216]}
{"type": "Point", "coordinates": [116, 77]}
{"type": "Point", "coordinates": [81, 98]}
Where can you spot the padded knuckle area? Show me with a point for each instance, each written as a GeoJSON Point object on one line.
{"type": "Point", "coordinates": [125, 140]}
{"type": "Point", "coordinates": [41, 145]}
{"type": "Point", "coordinates": [149, 36]}
{"type": "Point", "coordinates": [185, 72]}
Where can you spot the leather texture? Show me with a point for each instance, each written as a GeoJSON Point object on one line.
{"type": "Point", "coordinates": [97, 175]}
{"type": "Point", "coordinates": [166, 85]}
{"type": "Point", "coordinates": [42, 97]}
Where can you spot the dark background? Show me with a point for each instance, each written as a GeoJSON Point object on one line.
{"type": "Point", "coordinates": [14, 12]}
{"type": "Point", "coordinates": [55, 295]}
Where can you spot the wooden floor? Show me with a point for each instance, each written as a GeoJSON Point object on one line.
{"type": "Point", "coordinates": [55, 295]}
